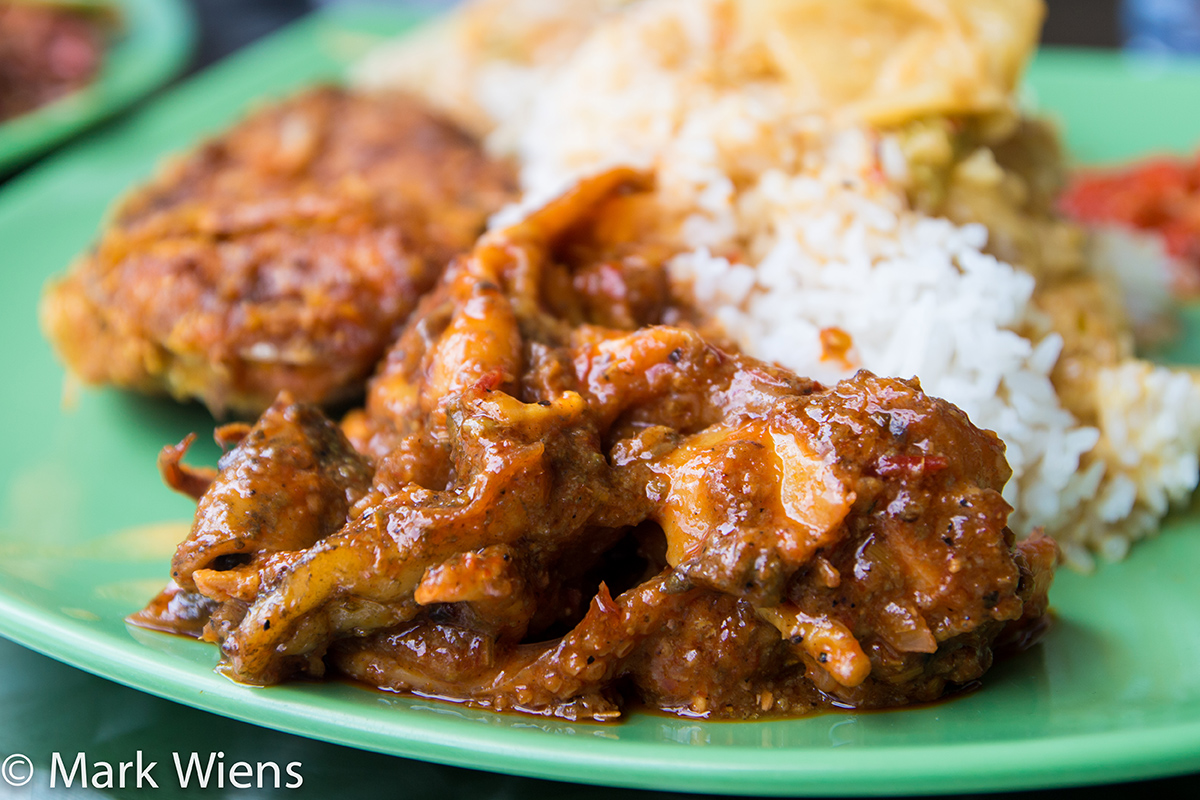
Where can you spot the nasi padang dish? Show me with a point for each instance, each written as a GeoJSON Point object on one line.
{"type": "Point", "coordinates": [727, 356]}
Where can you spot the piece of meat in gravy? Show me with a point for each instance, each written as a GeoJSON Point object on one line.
{"type": "Point", "coordinates": [283, 255]}
{"type": "Point", "coordinates": [571, 506]}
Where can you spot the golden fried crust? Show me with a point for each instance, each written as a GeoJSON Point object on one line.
{"type": "Point", "coordinates": [282, 256]}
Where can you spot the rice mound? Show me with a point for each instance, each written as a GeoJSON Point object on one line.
{"type": "Point", "coordinates": [797, 229]}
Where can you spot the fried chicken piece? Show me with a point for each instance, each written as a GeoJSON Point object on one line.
{"type": "Point", "coordinates": [282, 256]}
{"type": "Point", "coordinates": [796, 544]}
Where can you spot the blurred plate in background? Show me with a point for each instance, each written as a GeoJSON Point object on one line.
{"type": "Point", "coordinates": [151, 45]}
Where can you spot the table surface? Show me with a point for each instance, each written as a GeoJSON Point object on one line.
{"type": "Point", "coordinates": [48, 707]}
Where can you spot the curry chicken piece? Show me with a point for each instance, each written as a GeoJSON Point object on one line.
{"type": "Point", "coordinates": [562, 510]}
{"type": "Point", "coordinates": [281, 256]}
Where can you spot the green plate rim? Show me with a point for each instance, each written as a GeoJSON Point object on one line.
{"type": "Point", "coordinates": [153, 44]}
{"type": "Point", "coordinates": [299, 709]}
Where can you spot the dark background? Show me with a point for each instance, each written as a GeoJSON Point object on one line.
{"type": "Point", "coordinates": [1087, 23]}
{"type": "Point", "coordinates": [226, 26]}
{"type": "Point", "coordinates": [229, 25]}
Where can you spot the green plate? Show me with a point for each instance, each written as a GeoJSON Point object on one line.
{"type": "Point", "coordinates": [151, 45]}
{"type": "Point", "coordinates": [1116, 107]}
{"type": "Point", "coordinates": [86, 531]}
